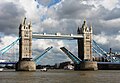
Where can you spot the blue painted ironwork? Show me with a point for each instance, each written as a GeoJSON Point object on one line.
{"type": "Point", "coordinates": [99, 54]}
{"type": "Point", "coordinates": [104, 54]}
{"type": "Point", "coordinates": [37, 58]}
{"type": "Point", "coordinates": [5, 49]}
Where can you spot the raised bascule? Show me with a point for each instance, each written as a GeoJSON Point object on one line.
{"type": "Point", "coordinates": [84, 38]}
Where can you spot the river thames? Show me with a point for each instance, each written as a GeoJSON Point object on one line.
{"type": "Point", "coordinates": [60, 76]}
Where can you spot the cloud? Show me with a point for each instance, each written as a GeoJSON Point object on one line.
{"type": "Point", "coordinates": [64, 17]}
{"type": "Point", "coordinates": [101, 38]}
{"type": "Point", "coordinates": [106, 41]}
{"type": "Point", "coordinates": [10, 15]}
{"type": "Point", "coordinates": [55, 55]}
{"type": "Point", "coordinates": [6, 40]}
{"type": "Point", "coordinates": [76, 11]}
{"type": "Point", "coordinates": [109, 4]}
{"type": "Point", "coordinates": [8, 54]}
{"type": "Point", "coordinates": [113, 14]}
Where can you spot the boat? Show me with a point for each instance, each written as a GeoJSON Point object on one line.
{"type": "Point", "coordinates": [69, 67]}
{"type": "Point", "coordinates": [44, 69]}
{"type": "Point", "coordinates": [1, 69]}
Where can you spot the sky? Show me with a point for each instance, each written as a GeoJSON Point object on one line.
{"type": "Point", "coordinates": [64, 16]}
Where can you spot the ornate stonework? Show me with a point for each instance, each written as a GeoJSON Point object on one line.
{"type": "Point", "coordinates": [85, 44]}
{"type": "Point", "coordinates": [25, 62]}
{"type": "Point", "coordinates": [25, 46]}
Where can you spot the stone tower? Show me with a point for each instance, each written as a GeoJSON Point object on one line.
{"type": "Point", "coordinates": [85, 49]}
{"type": "Point", "coordinates": [85, 44]}
{"type": "Point", "coordinates": [25, 42]}
{"type": "Point", "coordinates": [25, 62]}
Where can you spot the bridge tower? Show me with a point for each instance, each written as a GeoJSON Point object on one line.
{"type": "Point", "coordinates": [85, 48]}
{"type": "Point", "coordinates": [85, 44]}
{"type": "Point", "coordinates": [25, 62]}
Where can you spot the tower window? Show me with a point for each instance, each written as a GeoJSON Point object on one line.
{"type": "Point", "coordinates": [87, 49]}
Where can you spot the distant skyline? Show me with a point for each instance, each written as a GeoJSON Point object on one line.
{"type": "Point", "coordinates": [64, 16]}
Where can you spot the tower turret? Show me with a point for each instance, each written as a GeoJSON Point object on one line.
{"type": "Point", "coordinates": [25, 62]}
{"type": "Point", "coordinates": [85, 49]}
{"type": "Point", "coordinates": [78, 30]}
{"type": "Point", "coordinates": [25, 46]}
{"type": "Point", "coordinates": [85, 44]}
{"type": "Point", "coordinates": [24, 21]}
{"type": "Point", "coordinates": [91, 29]}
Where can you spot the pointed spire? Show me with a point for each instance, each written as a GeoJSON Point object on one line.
{"type": "Point", "coordinates": [84, 23]}
{"type": "Point", "coordinates": [84, 20]}
{"type": "Point", "coordinates": [30, 25]}
{"type": "Point", "coordinates": [91, 28]}
{"type": "Point", "coordinates": [24, 21]}
{"type": "Point", "coordinates": [78, 31]}
{"type": "Point", "coordinates": [84, 26]}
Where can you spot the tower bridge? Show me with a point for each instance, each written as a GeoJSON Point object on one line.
{"type": "Point", "coordinates": [88, 49]}
{"type": "Point", "coordinates": [84, 39]}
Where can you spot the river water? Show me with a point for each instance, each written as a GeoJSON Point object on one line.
{"type": "Point", "coordinates": [60, 76]}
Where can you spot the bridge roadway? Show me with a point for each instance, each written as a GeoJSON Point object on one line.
{"type": "Point", "coordinates": [8, 62]}
{"type": "Point", "coordinates": [56, 36]}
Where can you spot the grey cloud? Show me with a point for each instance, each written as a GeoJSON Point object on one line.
{"type": "Point", "coordinates": [102, 21]}
{"type": "Point", "coordinates": [55, 55]}
{"type": "Point", "coordinates": [108, 28]}
{"type": "Point", "coordinates": [73, 10]}
{"type": "Point", "coordinates": [97, 17]}
{"type": "Point", "coordinates": [64, 27]}
{"type": "Point", "coordinates": [52, 57]}
{"type": "Point", "coordinates": [69, 17]}
{"type": "Point", "coordinates": [10, 17]}
{"type": "Point", "coordinates": [113, 43]}
{"type": "Point", "coordinates": [114, 14]}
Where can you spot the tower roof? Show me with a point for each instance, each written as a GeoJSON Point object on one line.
{"type": "Point", "coordinates": [24, 21]}
{"type": "Point", "coordinates": [84, 23]}
{"type": "Point", "coordinates": [78, 30]}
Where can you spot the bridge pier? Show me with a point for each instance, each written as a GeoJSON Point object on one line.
{"type": "Point", "coordinates": [86, 65]}
{"type": "Point", "coordinates": [25, 66]}
{"type": "Point", "coordinates": [25, 62]}
{"type": "Point", "coordinates": [85, 49]}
